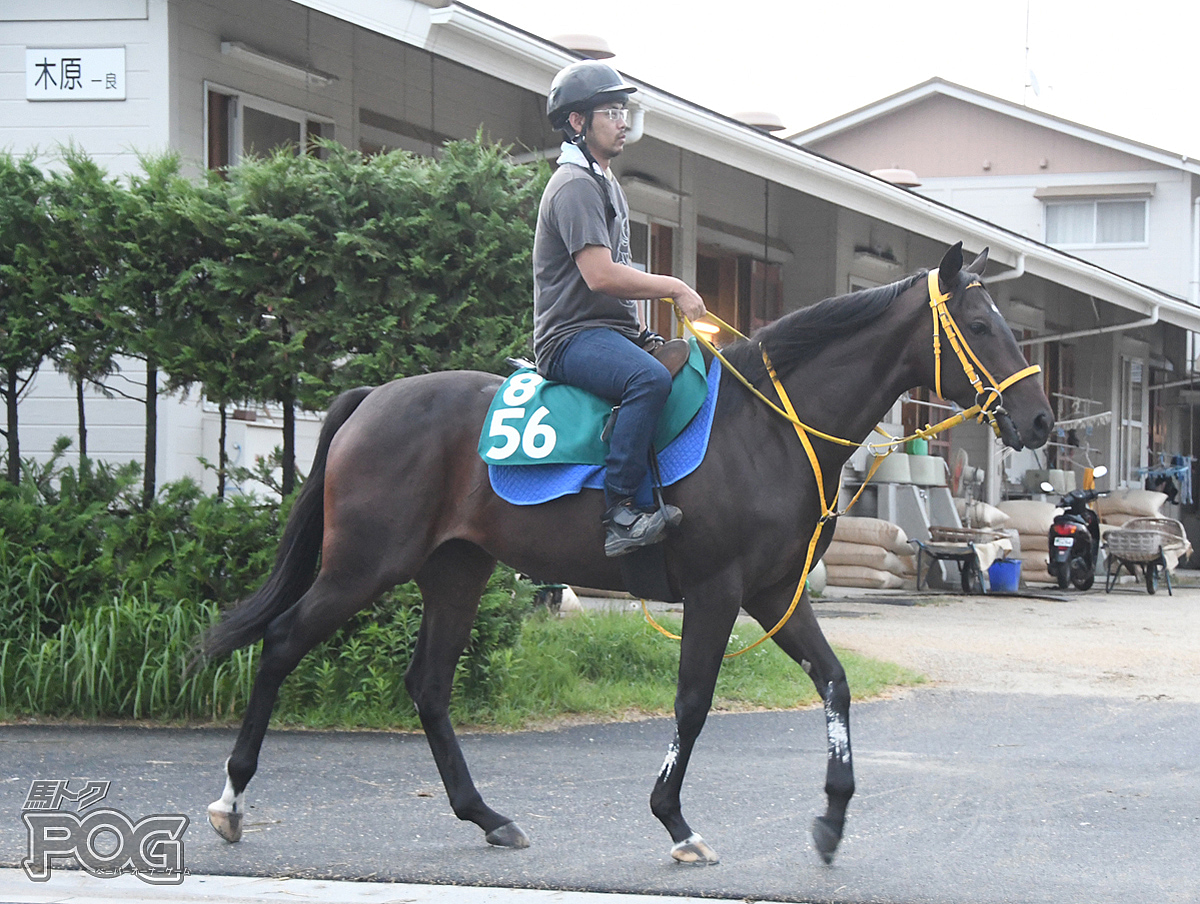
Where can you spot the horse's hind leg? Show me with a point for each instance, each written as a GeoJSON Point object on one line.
{"type": "Point", "coordinates": [451, 583]}
{"type": "Point", "coordinates": [326, 606]}
{"type": "Point", "coordinates": [802, 639]}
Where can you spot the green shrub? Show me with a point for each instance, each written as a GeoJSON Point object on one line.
{"type": "Point", "coordinates": [102, 600]}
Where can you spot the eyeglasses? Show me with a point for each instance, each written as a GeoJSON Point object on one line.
{"type": "Point", "coordinates": [616, 114]}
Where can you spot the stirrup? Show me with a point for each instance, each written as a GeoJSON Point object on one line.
{"type": "Point", "coordinates": [627, 527]}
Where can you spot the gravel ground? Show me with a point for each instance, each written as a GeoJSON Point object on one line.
{"type": "Point", "coordinates": [1126, 644]}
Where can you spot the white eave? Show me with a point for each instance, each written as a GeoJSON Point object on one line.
{"type": "Point", "coordinates": [474, 39]}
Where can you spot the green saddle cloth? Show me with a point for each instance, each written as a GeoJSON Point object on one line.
{"type": "Point", "coordinates": [536, 421]}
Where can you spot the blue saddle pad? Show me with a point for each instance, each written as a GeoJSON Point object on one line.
{"type": "Point", "coordinates": [534, 484]}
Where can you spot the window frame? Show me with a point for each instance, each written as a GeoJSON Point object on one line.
{"type": "Point", "coordinates": [235, 136]}
{"type": "Point", "coordinates": [1095, 205]}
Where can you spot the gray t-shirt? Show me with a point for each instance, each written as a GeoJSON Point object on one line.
{"type": "Point", "coordinates": [571, 217]}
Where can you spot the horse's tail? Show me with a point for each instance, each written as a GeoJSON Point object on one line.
{"type": "Point", "coordinates": [296, 560]}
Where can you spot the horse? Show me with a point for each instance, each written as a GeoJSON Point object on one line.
{"type": "Point", "coordinates": [398, 492]}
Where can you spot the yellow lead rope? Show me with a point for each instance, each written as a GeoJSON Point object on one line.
{"type": "Point", "coordinates": [941, 314]}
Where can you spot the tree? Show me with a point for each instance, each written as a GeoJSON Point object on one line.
{"type": "Point", "coordinates": [436, 275]}
{"type": "Point", "coordinates": [81, 252]}
{"type": "Point", "coordinates": [273, 227]}
{"type": "Point", "coordinates": [155, 243]}
{"type": "Point", "coordinates": [28, 331]}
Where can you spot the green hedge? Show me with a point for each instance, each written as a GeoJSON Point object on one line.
{"type": "Point", "coordinates": [102, 601]}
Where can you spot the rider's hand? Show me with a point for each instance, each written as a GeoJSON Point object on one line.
{"type": "Point", "coordinates": [690, 304]}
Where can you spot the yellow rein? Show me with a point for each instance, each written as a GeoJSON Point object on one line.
{"type": "Point", "coordinates": [994, 393]}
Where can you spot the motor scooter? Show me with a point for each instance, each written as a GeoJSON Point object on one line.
{"type": "Point", "coordinates": [1075, 538]}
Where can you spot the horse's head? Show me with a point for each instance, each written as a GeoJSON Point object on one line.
{"type": "Point", "coordinates": [980, 363]}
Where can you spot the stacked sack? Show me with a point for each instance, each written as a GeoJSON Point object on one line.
{"type": "Point", "coordinates": [1031, 519]}
{"type": "Point", "coordinates": [981, 515]}
{"type": "Point", "coordinates": [871, 553]}
{"type": "Point", "coordinates": [1121, 506]}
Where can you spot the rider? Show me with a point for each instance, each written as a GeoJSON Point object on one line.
{"type": "Point", "coordinates": [586, 326]}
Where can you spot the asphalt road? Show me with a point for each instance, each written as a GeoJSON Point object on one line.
{"type": "Point", "coordinates": [963, 797]}
{"type": "Point", "coordinates": [1052, 758]}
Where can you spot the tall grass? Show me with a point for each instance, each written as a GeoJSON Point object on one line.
{"type": "Point", "coordinates": [130, 660]}
{"type": "Point", "coordinates": [102, 600]}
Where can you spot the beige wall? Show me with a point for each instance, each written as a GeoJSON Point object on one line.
{"type": "Point", "coordinates": [944, 136]}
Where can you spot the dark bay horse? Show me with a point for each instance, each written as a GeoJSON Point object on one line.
{"type": "Point", "coordinates": [398, 492]}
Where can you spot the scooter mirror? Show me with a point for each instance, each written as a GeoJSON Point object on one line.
{"type": "Point", "coordinates": [1047, 486]}
{"type": "Point", "coordinates": [1099, 472]}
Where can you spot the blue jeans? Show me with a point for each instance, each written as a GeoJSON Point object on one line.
{"type": "Point", "coordinates": [607, 364]}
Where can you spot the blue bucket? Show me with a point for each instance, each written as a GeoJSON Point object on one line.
{"type": "Point", "coordinates": [1004, 575]}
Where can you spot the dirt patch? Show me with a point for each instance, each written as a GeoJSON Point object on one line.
{"type": "Point", "coordinates": [1126, 644]}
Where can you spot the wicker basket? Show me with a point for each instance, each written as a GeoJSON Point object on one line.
{"type": "Point", "coordinates": [1134, 545]}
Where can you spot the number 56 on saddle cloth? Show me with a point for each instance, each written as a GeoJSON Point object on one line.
{"type": "Point", "coordinates": [542, 440]}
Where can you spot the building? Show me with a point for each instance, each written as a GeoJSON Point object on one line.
{"type": "Point", "coordinates": [759, 224]}
{"type": "Point", "coordinates": [1128, 208]}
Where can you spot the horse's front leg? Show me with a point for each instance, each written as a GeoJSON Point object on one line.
{"type": "Point", "coordinates": [802, 639]}
{"type": "Point", "coordinates": [707, 621]}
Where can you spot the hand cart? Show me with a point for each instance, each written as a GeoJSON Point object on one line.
{"type": "Point", "coordinates": [956, 544]}
{"type": "Point", "coordinates": [1144, 544]}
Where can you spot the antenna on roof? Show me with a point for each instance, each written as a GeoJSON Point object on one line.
{"type": "Point", "coordinates": [1028, 72]}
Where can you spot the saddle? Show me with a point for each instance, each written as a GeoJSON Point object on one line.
{"type": "Point", "coordinates": [643, 570]}
{"type": "Point", "coordinates": [535, 421]}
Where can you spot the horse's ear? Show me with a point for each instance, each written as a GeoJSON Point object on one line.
{"type": "Point", "coordinates": [951, 264]}
{"type": "Point", "coordinates": [978, 265]}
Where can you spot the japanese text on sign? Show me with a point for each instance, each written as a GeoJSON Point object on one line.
{"type": "Point", "coordinates": [89, 73]}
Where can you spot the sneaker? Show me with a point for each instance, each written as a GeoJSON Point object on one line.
{"type": "Point", "coordinates": [629, 527]}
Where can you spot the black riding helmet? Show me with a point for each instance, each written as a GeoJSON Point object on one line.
{"type": "Point", "coordinates": [583, 86]}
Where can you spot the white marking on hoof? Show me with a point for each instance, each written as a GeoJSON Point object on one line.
{"type": "Point", "coordinates": [694, 850]}
{"type": "Point", "coordinates": [225, 814]}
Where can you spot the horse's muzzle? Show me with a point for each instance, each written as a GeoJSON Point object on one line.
{"type": "Point", "coordinates": [1008, 430]}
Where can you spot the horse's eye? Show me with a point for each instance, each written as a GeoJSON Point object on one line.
{"type": "Point", "coordinates": [979, 328]}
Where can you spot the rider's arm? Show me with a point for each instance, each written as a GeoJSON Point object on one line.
{"type": "Point", "coordinates": [603, 274]}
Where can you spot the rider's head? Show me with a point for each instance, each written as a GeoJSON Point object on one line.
{"type": "Point", "coordinates": [581, 88]}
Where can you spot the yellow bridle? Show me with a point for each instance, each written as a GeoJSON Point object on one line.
{"type": "Point", "coordinates": [994, 392]}
{"type": "Point", "coordinates": [987, 405]}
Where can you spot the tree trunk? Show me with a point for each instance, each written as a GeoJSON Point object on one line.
{"type": "Point", "coordinates": [149, 475]}
{"type": "Point", "coordinates": [82, 421]}
{"type": "Point", "coordinates": [289, 444]}
{"type": "Point", "coordinates": [14, 442]}
{"type": "Point", "coordinates": [222, 458]}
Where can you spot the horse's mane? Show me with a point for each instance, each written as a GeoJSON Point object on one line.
{"type": "Point", "coordinates": [799, 335]}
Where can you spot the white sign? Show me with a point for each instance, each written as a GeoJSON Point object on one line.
{"type": "Point", "coordinates": [86, 73]}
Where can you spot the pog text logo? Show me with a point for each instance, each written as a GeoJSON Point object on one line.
{"type": "Point", "coordinates": [105, 842]}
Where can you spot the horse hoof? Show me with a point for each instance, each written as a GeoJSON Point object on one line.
{"type": "Point", "coordinates": [227, 824]}
{"type": "Point", "coordinates": [694, 850]}
{"type": "Point", "coordinates": [508, 835]}
{"type": "Point", "coordinates": [826, 836]}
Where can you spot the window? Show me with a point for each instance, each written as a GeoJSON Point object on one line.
{"type": "Point", "coordinates": [241, 124]}
{"type": "Point", "coordinates": [1132, 446]}
{"type": "Point", "coordinates": [653, 248]}
{"type": "Point", "coordinates": [1088, 223]}
{"type": "Point", "coordinates": [744, 292]}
